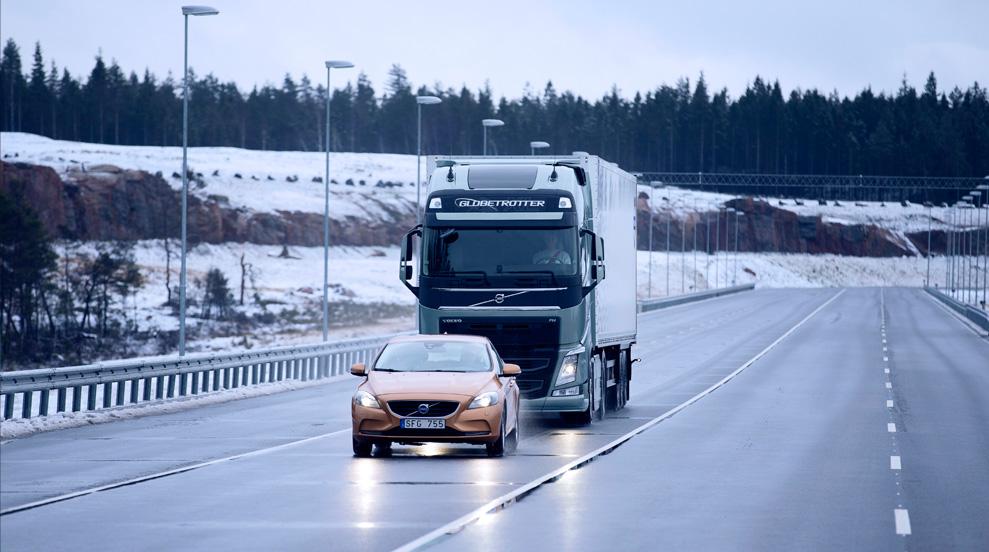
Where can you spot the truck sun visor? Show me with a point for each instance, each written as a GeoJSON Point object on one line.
{"type": "Point", "coordinates": [486, 177]}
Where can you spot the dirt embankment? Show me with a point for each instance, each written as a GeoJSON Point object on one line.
{"type": "Point", "coordinates": [108, 203]}
{"type": "Point", "coordinates": [767, 228]}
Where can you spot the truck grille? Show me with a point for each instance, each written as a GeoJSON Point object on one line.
{"type": "Point", "coordinates": [532, 343]}
{"type": "Point", "coordinates": [437, 409]}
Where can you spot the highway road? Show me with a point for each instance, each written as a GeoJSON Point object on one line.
{"type": "Point", "coordinates": [796, 419]}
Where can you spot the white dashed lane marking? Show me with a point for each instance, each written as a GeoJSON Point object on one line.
{"type": "Point", "coordinates": [889, 403]}
{"type": "Point", "coordinates": [891, 427]}
{"type": "Point", "coordinates": [902, 521]}
{"type": "Point", "coordinates": [894, 463]}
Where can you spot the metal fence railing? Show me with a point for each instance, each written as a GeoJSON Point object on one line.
{"type": "Point", "coordinates": [114, 383]}
{"type": "Point", "coordinates": [121, 382]}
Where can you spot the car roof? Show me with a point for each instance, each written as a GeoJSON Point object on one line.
{"type": "Point", "coordinates": [439, 337]}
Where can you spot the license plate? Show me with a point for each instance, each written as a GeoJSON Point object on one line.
{"type": "Point", "coordinates": [423, 423]}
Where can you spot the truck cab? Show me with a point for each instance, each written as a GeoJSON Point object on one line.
{"type": "Point", "coordinates": [508, 250]}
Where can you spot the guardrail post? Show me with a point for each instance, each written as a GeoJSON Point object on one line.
{"type": "Point", "coordinates": [121, 391]}
{"type": "Point", "coordinates": [170, 386]}
{"type": "Point", "coordinates": [8, 406]}
{"type": "Point", "coordinates": [91, 397]}
{"type": "Point", "coordinates": [135, 388]}
{"type": "Point", "coordinates": [182, 384]}
{"type": "Point", "coordinates": [43, 403]}
{"type": "Point", "coordinates": [26, 404]}
{"type": "Point", "coordinates": [146, 395]}
{"type": "Point", "coordinates": [195, 383]}
{"type": "Point", "coordinates": [77, 398]}
{"type": "Point", "coordinates": [60, 399]}
{"type": "Point", "coordinates": [107, 395]}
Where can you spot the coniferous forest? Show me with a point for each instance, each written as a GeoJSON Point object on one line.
{"type": "Point", "coordinates": [684, 127]}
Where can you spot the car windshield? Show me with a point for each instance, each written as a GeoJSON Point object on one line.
{"type": "Point", "coordinates": [434, 356]}
{"type": "Point", "coordinates": [499, 251]}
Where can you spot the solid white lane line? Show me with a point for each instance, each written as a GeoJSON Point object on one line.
{"type": "Point", "coordinates": [889, 404]}
{"type": "Point", "coordinates": [902, 518]}
{"type": "Point", "coordinates": [891, 427]}
{"type": "Point", "coordinates": [508, 498]}
{"type": "Point", "coordinates": [149, 477]}
{"type": "Point", "coordinates": [894, 463]}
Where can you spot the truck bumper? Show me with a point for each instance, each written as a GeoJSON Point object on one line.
{"type": "Point", "coordinates": [555, 404]}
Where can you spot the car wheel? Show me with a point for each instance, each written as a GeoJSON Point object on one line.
{"type": "Point", "coordinates": [362, 448]}
{"type": "Point", "coordinates": [383, 448]}
{"type": "Point", "coordinates": [497, 448]}
{"type": "Point", "coordinates": [516, 434]}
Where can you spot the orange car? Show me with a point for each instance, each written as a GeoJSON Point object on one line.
{"type": "Point", "coordinates": [436, 388]}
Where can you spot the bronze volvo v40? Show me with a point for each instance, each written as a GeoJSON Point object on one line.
{"type": "Point", "coordinates": [436, 388]}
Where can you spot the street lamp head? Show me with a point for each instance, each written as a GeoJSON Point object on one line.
{"type": "Point", "coordinates": [199, 10]}
{"type": "Point", "coordinates": [428, 100]}
{"type": "Point", "coordinates": [982, 186]}
{"type": "Point", "coordinates": [492, 122]}
{"type": "Point", "coordinates": [338, 64]}
{"type": "Point", "coordinates": [538, 145]}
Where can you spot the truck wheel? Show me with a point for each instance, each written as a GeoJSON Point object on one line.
{"type": "Point", "coordinates": [600, 384]}
{"type": "Point", "coordinates": [622, 383]}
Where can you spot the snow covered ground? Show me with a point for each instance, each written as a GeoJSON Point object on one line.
{"type": "Point", "coordinates": [256, 192]}
{"type": "Point", "coordinates": [219, 167]}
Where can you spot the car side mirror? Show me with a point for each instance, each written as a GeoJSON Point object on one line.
{"type": "Point", "coordinates": [358, 369]}
{"type": "Point", "coordinates": [511, 370]}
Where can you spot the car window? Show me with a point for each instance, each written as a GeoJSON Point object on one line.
{"type": "Point", "coordinates": [434, 356]}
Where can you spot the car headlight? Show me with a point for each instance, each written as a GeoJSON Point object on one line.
{"type": "Point", "coordinates": [365, 399]}
{"type": "Point", "coordinates": [568, 371]}
{"type": "Point", "coordinates": [484, 400]}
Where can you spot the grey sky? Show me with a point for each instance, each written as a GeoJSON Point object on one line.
{"type": "Point", "coordinates": [581, 45]}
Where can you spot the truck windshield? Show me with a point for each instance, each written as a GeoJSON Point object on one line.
{"type": "Point", "coordinates": [500, 251]}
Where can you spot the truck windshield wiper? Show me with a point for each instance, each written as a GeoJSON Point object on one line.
{"type": "Point", "coordinates": [464, 273]}
{"type": "Point", "coordinates": [552, 275]}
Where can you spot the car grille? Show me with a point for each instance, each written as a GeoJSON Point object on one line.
{"type": "Point", "coordinates": [437, 409]}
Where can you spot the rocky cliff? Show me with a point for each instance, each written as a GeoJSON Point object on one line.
{"type": "Point", "coordinates": [108, 203]}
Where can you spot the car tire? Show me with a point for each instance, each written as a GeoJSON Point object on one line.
{"type": "Point", "coordinates": [497, 448]}
{"type": "Point", "coordinates": [516, 434]}
{"type": "Point", "coordinates": [362, 448]}
{"type": "Point", "coordinates": [383, 449]}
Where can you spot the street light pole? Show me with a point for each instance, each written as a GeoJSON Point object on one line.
{"type": "Point", "coordinates": [651, 218]}
{"type": "Point", "coordinates": [420, 101]}
{"type": "Point", "coordinates": [186, 12]}
{"type": "Point", "coordinates": [693, 276]}
{"type": "Point", "coordinates": [985, 244]}
{"type": "Point", "coordinates": [485, 123]}
{"type": "Point", "coordinates": [707, 249]}
{"type": "Point", "coordinates": [930, 225]}
{"type": "Point", "coordinates": [326, 201]}
{"type": "Point", "coordinates": [974, 243]}
{"type": "Point", "coordinates": [533, 146]}
{"type": "Point", "coordinates": [683, 249]}
{"type": "Point", "coordinates": [669, 218]}
{"type": "Point", "coordinates": [734, 270]}
{"type": "Point", "coordinates": [729, 212]}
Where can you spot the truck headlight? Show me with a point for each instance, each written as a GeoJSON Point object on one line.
{"type": "Point", "coordinates": [365, 399]}
{"type": "Point", "coordinates": [568, 371]}
{"type": "Point", "coordinates": [484, 400]}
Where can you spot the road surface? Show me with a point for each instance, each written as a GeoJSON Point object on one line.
{"type": "Point", "coordinates": [795, 451]}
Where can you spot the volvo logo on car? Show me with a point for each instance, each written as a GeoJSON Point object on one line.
{"type": "Point", "coordinates": [499, 298]}
{"type": "Point", "coordinates": [423, 409]}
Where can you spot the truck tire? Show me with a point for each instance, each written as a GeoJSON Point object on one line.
{"type": "Point", "coordinates": [600, 385]}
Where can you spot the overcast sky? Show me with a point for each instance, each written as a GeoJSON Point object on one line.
{"type": "Point", "coordinates": [581, 45]}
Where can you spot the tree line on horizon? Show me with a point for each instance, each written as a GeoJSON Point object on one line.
{"type": "Point", "coordinates": [674, 128]}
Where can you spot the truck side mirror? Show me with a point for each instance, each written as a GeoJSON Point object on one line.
{"type": "Point", "coordinates": [597, 260]}
{"type": "Point", "coordinates": [406, 262]}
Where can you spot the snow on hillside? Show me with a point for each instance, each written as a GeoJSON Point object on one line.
{"type": "Point", "coordinates": [304, 195]}
{"type": "Point", "coordinates": [892, 216]}
{"type": "Point", "coordinates": [219, 167]}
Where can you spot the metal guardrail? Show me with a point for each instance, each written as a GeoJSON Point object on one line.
{"type": "Point", "coordinates": [115, 383]}
{"type": "Point", "coordinates": [141, 380]}
{"type": "Point", "coordinates": [654, 304]}
{"type": "Point", "coordinates": [977, 316]}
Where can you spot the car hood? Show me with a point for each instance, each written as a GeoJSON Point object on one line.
{"type": "Point", "coordinates": [451, 383]}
